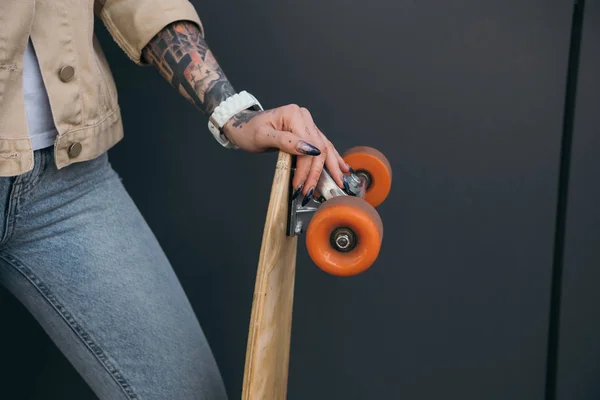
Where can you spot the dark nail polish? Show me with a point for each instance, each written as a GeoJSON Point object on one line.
{"type": "Point", "coordinates": [307, 148]}
{"type": "Point", "coordinates": [297, 192]}
{"type": "Point", "coordinates": [307, 198]}
{"type": "Point", "coordinates": [351, 170]}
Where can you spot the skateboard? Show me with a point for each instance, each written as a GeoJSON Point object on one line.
{"type": "Point", "coordinates": [343, 233]}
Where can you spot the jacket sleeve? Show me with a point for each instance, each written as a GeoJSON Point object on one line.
{"type": "Point", "coordinates": [133, 23]}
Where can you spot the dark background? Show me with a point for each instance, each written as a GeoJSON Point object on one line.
{"type": "Point", "coordinates": [467, 100]}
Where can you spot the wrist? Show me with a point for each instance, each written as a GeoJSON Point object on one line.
{"type": "Point", "coordinates": [239, 119]}
{"type": "Point", "coordinates": [214, 96]}
{"type": "Point", "coordinates": [232, 112]}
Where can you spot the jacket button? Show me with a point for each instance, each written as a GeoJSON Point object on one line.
{"type": "Point", "coordinates": [75, 149]}
{"type": "Point", "coordinates": [66, 73]}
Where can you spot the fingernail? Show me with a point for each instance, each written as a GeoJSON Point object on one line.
{"type": "Point", "coordinates": [350, 168]}
{"type": "Point", "coordinates": [307, 148]}
{"type": "Point", "coordinates": [307, 197]}
{"type": "Point", "coordinates": [297, 192]}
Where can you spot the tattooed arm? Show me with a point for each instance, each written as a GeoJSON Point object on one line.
{"type": "Point", "coordinates": [183, 58]}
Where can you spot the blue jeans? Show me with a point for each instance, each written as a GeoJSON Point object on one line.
{"type": "Point", "coordinates": [76, 252]}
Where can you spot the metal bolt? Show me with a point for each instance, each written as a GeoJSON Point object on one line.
{"type": "Point", "coordinates": [364, 175]}
{"type": "Point", "coordinates": [343, 241]}
{"type": "Point", "coordinates": [354, 180]}
{"type": "Point", "coordinates": [298, 227]}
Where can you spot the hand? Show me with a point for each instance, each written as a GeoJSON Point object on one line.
{"type": "Point", "coordinates": [290, 129]}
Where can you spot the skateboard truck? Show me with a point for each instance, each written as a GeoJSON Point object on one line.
{"type": "Point", "coordinates": [327, 189]}
{"type": "Point", "coordinates": [343, 231]}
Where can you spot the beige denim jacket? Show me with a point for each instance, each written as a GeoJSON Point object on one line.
{"type": "Point", "coordinates": [82, 93]}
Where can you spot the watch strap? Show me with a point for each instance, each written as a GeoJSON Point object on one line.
{"type": "Point", "coordinates": [228, 109]}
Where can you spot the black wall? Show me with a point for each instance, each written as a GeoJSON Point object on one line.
{"type": "Point", "coordinates": [466, 98]}
{"type": "Point", "coordinates": [579, 347]}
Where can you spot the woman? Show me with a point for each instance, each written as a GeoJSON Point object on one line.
{"type": "Point", "coordinates": [74, 248]}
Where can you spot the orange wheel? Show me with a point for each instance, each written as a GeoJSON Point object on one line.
{"type": "Point", "coordinates": [344, 236]}
{"type": "Point", "coordinates": [372, 162]}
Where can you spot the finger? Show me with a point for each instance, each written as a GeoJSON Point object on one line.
{"type": "Point", "coordinates": [289, 142]}
{"type": "Point", "coordinates": [333, 166]}
{"type": "Point", "coordinates": [316, 168]}
{"type": "Point", "coordinates": [318, 163]}
{"type": "Point", "coordinates": [334, 163]}
{"type": "Point", "coordinates": [308, 170]}
{"type": "Point", "coordinates": [299, 122]}
{"type": "Point", "coordinates": [286, 141]}
{"type": "Point", "coordinates": [345, 168]}
{"type": "Point", "coordinates": [293, 120]}
{"type": "Point", "coordinates": [300, 175]}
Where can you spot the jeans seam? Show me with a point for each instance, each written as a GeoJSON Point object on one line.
{"type": "Point", "coordinates": [37, 172]}
{"type": "Point", "coordinates": [26, 187]}
{"type": "Point", "coordinates": [11, 211]}
{"type": "Point", "coordinates": [81, 333]}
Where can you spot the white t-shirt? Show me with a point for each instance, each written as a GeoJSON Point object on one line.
{"type": "Point", "coordinates": [42, 129]}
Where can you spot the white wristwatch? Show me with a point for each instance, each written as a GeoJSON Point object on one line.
{"type": "Point", "coordinates": [226, 110]}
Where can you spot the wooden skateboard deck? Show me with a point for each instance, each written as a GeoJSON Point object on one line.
{"type": "Point", "coordinates": [267, 353]}
{"type": "Point", "coordinates": [343, 238]}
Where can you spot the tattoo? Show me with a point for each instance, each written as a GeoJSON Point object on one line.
{"type": "Point", "coordinates": [241, 118]}
{"type": "Point", "coordinates": [183, 58]}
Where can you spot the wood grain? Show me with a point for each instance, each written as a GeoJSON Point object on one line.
{"type": "Point", "coordinates": [267, 353]}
